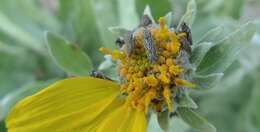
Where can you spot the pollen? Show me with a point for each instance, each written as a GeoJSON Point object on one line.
{"type": "Point", "coordinates": [114, 54]}
{"type": "Point", "coordinates": [150, 84]}
{"type": "Point", "coordinates": [151, 81]}
{"type": "Point", "coordinates": [185, 83]}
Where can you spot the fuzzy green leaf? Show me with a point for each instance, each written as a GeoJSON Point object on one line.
{"type": "Point", "coordinates": [147, 11]}
{"type": "Point", "coordinates": [10, 49]}
{"type": "Point", "coordinates": [212, 35]}
{"type": "Point", "coordinates": [232, 8]}
{"type": "Point", "coordinates": [16, 68]}
{"type": "Point", "coordinates": [252, 115]}
{"type": "Point", "coordinates": [195, 120]}
{"type": "Point", "coordinates": [207, 81]}
{"type": "Point", "coordinates": [220, 56]}
{"type": "Point", "coordinates": [199, 51]}
{"type": "Point", "coordinates": [17, 33]}
{"type": "Point", "coordinates": [153, 125]}
{"type": "Point", "coordinates": [159, 7]}
{"type": "Point", "coordinates": [163, 120]}
{"type": "Point", "coordinates": [189, 15]}
{"type": "Point", "coordinates": [232, 99]}
{"type": "Point", "coordinates": [186, 101]}
{"type": "Point", "coordinates": [168, 19]}
{"type": "Point", "coordinates": [119, 31]}
{"type": "Point", "coordinates": [126, 10]}
{"type": "Point", "coordinates": [69, 57]}
{"type": "Point", "coordinates": [86, 23]}
{"type": "Point", "coordinates": [105, 16]}
{"type": "Point", "coordinates": [209, 6]}
{"type": "Point", "coordinates": [178, 125]}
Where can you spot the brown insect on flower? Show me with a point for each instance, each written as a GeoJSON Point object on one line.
{"type": "Point", "coordinates": [186, 40]}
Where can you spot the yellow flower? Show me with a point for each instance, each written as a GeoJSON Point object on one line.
{"type": "Point", "coordinates": [87, 104]}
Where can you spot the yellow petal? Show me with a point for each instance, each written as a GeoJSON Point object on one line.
{"type": "Point", "coordinates": [115, 120]}
{"type": "Point", "coordinates": [64, 106]}
{"type": "Point", "coordinates": [124, 119]}
{"type": "Point", "coordinates": [138, 123]}
{"type": "Point", "coordinates": [93, 125]}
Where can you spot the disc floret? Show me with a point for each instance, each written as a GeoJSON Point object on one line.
{"type": "Point", "coordinates": [147, 82]}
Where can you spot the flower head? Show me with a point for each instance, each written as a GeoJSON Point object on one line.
{"type": "Point", "coordinates": [149, 75]}
{"type": "Point", "coordinates": [152, 68]}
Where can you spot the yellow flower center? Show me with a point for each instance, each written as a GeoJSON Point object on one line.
{"type": "Point", "coordinates": [149, 84]}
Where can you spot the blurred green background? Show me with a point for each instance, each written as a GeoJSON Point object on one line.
{"type": "Point", "coordinates": [26, 65]}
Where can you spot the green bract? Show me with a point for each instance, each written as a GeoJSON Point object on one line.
{"type": "Point", "coordinates": [68, 56]}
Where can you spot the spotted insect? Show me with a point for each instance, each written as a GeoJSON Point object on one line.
{"type": "Point", "coordinates": [100, 75]}
{"type": "Point", "coordinates": [130, 39]}
{"type": "Point", "coordinates": [149, 46]}
{"type": "Point", "coordinates": [148, 41]}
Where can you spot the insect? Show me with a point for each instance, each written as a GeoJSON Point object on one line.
{"type": "Point", "coordinates": [149, 46]}
{"type": "Point", "coordinates": [119, 42]}
{"type": "Point", "coordinates": [129, 39]}
{"type": "Point", "coordinates": [187, 39]}
{"type": "Point", "coordinates": [185, 28]}
{"type": "Point", "coordinates": [148, 41]}
{"type": "Point", "coordinates": [145, 21]}
{"type": "Point", "coordinates": [100, 75]}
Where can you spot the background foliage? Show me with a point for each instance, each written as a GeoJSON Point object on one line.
{"type": "Point", "coordinates": [28, 64]}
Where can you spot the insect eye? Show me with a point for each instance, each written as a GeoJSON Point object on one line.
{"type": "Point", "coordinates": [185, 28]}
{"type": "Point", "coordinates": [119, 42]}
{"type": "Point", "coordinates": [145, 21]}
{"type": "Point", "coordinates": [92, 73]}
